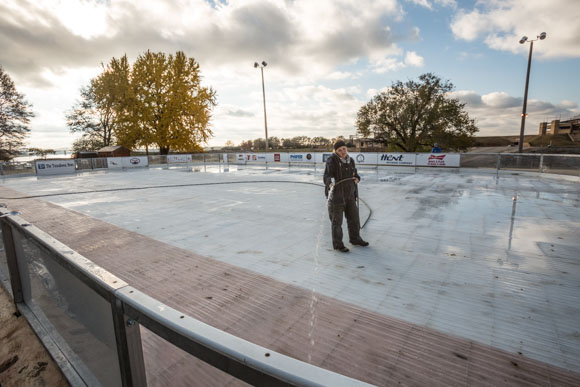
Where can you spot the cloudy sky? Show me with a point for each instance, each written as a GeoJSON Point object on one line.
{"type": "Point", "coordinates": [326, 58]}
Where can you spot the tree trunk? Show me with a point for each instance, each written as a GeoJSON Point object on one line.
{"type": "Point", "coordinates": [163, 150]}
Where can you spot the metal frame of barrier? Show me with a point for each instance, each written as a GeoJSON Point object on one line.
{"type": "Point", "coordinates": [130, 308]}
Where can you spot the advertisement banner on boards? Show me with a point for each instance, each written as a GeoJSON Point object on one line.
{"type": "Point", "coordinates": [265, 157]}
{"type": "Point", "coordinates": [54, 167]}
{"type": "Point", "coordinates": [438, 160]}
{"type": "Point", "coordinates": [301, 157]}
{"type": "Point", "coordinates": [321, 157]}
{"type": "Point", "coordinates": [364, 158]}
{"type": "Point", "coordinates": [114, 162]}
{"type": "Point", "coordinates": [254, 158]}
{"type": "Point", "coordinates": [135, 161]}
{"type": "Point", "coordinates": [406, 159]}
{"type": "Point", "coordinates": [179, 159]}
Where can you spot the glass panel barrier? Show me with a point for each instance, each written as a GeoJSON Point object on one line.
{"type": "Point", "coordinates": [561, 164]}
{"type": "Point", "coordinates": [157, 159]}
{"type": "Point", "coordinates": [475, 160]}
{"type": "Point", "coordinates": [77, 318]}
{"type": "Point", "coordinates": [197, 158]}
{"type": "Point", "coordinates": [168, 365]}
{"type": "Point", "coordinates": [4, 273]}
{"type": "Point", "coordinates": [523, 162]}
{"type": "Point", "coordinates": [212, 158]}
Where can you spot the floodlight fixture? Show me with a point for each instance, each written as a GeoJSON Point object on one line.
{"type": "Point", "coordinates": [523, 40]}
{"type": "Point", "coordinates": [256, 65]}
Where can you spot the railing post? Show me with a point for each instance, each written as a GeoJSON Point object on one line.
{"type": "Point", "coordinates": [498, 165]}
{"type": "Point", "coordinates": [14, 271]}
{"type": "Point", "coordinates": [129, 347]}
{"type": "Point", "coordinates": [541, 162]}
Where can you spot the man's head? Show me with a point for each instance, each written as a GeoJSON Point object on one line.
{"type": "Point", "coordinates": [340, 148]}
{"type": "Point", "coordinates": [435, 145]}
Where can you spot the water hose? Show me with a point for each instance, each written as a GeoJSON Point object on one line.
{"type": "Point", "coordinates": [181, 185]}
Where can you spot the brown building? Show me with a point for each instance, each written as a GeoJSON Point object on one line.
{"type": "Point", "coordinates": [570, 127]}
{"type": "Point", "coordinates": [114, 151]}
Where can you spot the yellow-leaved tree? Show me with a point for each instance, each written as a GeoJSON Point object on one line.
{"type": "Point", "coordinates": [159, 101]}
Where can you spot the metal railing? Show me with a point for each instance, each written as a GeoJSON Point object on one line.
{"type": "Point", "coordinates": [93, 319]}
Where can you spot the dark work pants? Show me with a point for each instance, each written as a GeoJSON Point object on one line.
{"type": "Point", "coordinates": [335, 211]}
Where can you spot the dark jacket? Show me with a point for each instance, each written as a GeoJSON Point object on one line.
{"type": "Point", "coordinates": [340, 171]}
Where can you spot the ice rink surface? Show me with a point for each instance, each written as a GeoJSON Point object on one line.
{"type": "Point", "coordinates": [486, 257]}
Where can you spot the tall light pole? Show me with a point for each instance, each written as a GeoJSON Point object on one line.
{"type": "Point", "coordinates": [261, 66]}
{"type": "Point", "coordinates": [524, 39]}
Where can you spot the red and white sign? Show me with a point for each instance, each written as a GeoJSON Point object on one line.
{"type": "Point", "coordinates": [437, 160]}
{"type": "Point", "coordinates": [277, 157]}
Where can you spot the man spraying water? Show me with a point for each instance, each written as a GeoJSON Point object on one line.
{"type": "Point", "coordinates": [340, 181]}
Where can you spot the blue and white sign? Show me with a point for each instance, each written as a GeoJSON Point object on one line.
{"type": "Point", "coordinates": [54, 166]}
{"type": "Point", "coordinates": [301, 157]}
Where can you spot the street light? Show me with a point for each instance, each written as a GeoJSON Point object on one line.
{"type": "Point", "coordinates": [261, 66]}
{"type": "Point", "coordinates": [523, 40]}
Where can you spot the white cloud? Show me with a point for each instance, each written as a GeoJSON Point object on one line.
{"type": "Point", "coordinates": [372, 92]}
{"type": "Point", "coordinates": [299, 37]}
{"type": "Point", "coordinates": [390, 63]}
{"type": "Point", "coordinates": [568, 104]}
{"type": "Point", "coordinates": [429, 4]}
{"type": "Point", "coordinates": [412, 59]}
{"type": "Point", "coordinates": [336, 75]}
{"type": "Point", "coordinates": [43, 43]}
{"type": "Point", "coordinates": [292, 111]}
{"type": "Point", "coordinates": [500, 99]}
{"type": "Point", "coordinates": [498, 113]}
{"type": "Point", "coordinates": [501, 24]}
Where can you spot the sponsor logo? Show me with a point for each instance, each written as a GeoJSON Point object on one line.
{"type": "Point", "coordinates": [295, 157]}
{"type": "Point", "coordinates": [308, 156]}
{"type": "Point", "coordinates": [113, 163]}
{"type": "Point", "coordinates": [135, 161]}
{"type": "Point", "coordinates": [241, 157]}
{"type": "Point", "coordinates": [260, 157]}
{"type": "Point", "coordinates": [254, 157]}
{"type": "Point", "coordinates": [436, 160]}
{"type": "Point", "coordinates": [277, 157]}
{"type": "Point", "coordinates": [360, 158]}
{"type": "Point", "coordinates": [325, 156]}
{"type": "Point", "coordinates": [386, 157]}
{"type": "Point", "coordinates": [41, 166]}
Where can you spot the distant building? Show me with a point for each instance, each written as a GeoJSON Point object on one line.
{"type": "Point", "coordinates": [362, 143]}
{"type": "Point", "coordinates": [570, 127]}
{"type": "Point", "coordinates": [84, 155]}
{"type": "Point", "coordinates": [114, 151]}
